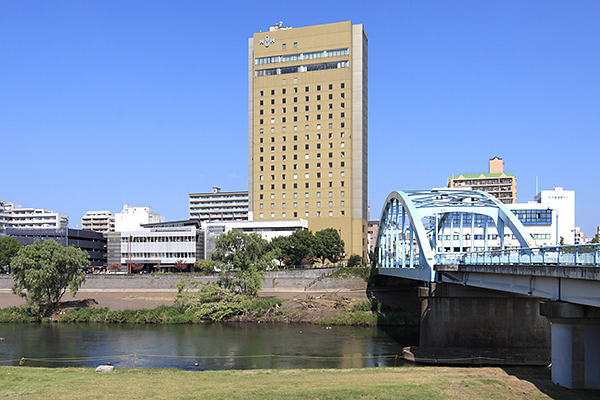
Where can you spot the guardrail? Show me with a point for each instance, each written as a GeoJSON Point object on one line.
{"type": "Point", "coordinates": [583, 254]}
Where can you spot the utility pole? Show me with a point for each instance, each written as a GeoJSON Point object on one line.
{"type": "Point", "coordinates": [340, 248]}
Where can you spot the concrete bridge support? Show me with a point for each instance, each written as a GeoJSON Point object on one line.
{"type": "Point", "coordinates": [460, 323]}
{"type": "Point", "coordinates": [575, 344]}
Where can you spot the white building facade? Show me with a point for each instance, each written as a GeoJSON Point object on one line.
{"type": "Point", "coordinates": [158, 245]}
{"type": "Point", "coordinates": [132, 218]}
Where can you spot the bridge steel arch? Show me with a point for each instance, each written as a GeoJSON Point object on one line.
{"type": "Point", "coordinates": [409, 244]}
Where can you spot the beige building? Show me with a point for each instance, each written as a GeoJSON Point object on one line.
{"type": "Point", "coordinates": [99, 221]}
{"type": "Point", "coordinates": [496, 182]}
{"type": "Point", "coordinates": [307, 96]}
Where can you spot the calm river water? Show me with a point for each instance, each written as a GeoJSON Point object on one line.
{"type": "Point", "coordinates": [203, 346]}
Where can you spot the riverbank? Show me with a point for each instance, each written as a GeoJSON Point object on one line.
{"type": "Point", "coordinates": [314, 307]}
{"type": "Point", "coordinates": [380, 383]}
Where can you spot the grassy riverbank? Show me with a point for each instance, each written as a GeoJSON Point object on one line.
{"type": "Point", "coordinates": [214, 304]}
{"type": "Point", "coordinates": [372, 383]}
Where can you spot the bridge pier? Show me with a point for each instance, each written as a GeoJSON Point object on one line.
{"type": "Point", "coordinates": [465, 325]}
{"type": "Point", "coordinates": [575, 344]}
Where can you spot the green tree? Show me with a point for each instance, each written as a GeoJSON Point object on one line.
{"type": "Point", "coordinates": [328, 245]}
{"type": "Point", "coordinates": [9, 247]}
{"type": "Point", "coordinates": [595, 240]}
{"type": "Point", "coordinates": [241, 260]}
{"type": "Point", "coordinates": [297, 247]}
{"type": "Point", "coordinates": [45, 271]}
{"type": "Point", "coordinates": [354, 261]}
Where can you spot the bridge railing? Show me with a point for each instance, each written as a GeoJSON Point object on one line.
{"type": "Point", "coordinates": [583, 254]}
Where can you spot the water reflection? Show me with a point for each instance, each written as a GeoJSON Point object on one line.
{"type": "Point", "coordinates": [210, 346]}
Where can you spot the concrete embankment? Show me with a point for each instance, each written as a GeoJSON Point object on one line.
{"type": "Point", "coordinates": [295, 280]}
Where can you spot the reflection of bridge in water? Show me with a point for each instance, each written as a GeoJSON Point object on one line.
{"type": "Point", "coordinates": [447, 236]}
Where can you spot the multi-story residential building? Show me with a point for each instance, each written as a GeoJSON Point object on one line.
{"type": "Point", "coordinates": [373, 232]}
{"type": "Point", "coordinates": [307, 99]}
{"type": "Point", "coordinates": [496, 182]}
{"type": "Point", "coordinates": [99, 221]}
{"type": "Point", "coordinates": [131, 218]}
{"type": "Point", "coordinates": [219, 206]}
{"type": "Point", "coordinates": [31, 218]}
{"type": "Point", "coordinates": [4, 218]}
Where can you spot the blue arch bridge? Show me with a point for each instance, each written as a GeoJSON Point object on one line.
{"type": "Point", "coordinates": [456, 239]}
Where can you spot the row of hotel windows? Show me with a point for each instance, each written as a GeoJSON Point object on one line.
{"type": "Point", "coordinates": [306, 108]}
{"type": "Point", "coordinates": [306, 156]}
{"type": "Point", "coordinates": [306, 205]}
{"type": "Point", "coordinates": [295, 166]}
{"type": "Point", "coordinates": [306, 98]}
{"type": "Point", "coordinates": [306, 137]}
{"type": "Point", "coordinates": [261, 121]}
{"type": "Point", "coordinates": [306, 127]}
{"type": "Point", "coordinates": [175, 255]}
{"type": "Point", "coordinates": [306, 89]}
{"type": "Point", "coordinates": [302, 68]}
{"type": "Point", "coordinates": [306, 195]}
{"type": "Point", "coordinates": [306, 185]}
{"type": "Point", "coordinates": [306, 214]}
{"type": "Point", "coordinates": [301, 56]}
{"type": "Point", "coordinates": [158, 239]}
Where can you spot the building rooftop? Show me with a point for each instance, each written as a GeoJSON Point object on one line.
{"type": "Point", "coordinates": [477, 176]}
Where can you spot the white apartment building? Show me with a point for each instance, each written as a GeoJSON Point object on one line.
{"type": "Point", "coordinates": [219, 206]}
{"type": "Point", "coordinates": [12, 216]}
{"type": "Point", "coordinates": [132, 218]}
{"type": "Point", "coordinates": [99, 221]}
{"type": "Point", "coordinates": [3, 218]}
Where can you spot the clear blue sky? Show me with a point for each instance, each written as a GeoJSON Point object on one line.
{"type": "Point", "coordinates": [104, 103]}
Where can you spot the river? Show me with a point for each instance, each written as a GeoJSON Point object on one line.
{"type": "Point", "coordinates": [211, 346]}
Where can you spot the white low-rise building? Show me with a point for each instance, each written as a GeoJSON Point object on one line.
{"type": "Point", "coordinates": [157, 245]}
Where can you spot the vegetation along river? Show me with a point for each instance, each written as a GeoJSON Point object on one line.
{"type": "Point", "coordinates": [210, 346]}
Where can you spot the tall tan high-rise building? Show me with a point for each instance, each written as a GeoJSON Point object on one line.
{"type": "Point", "coordinates": [307, 128]}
